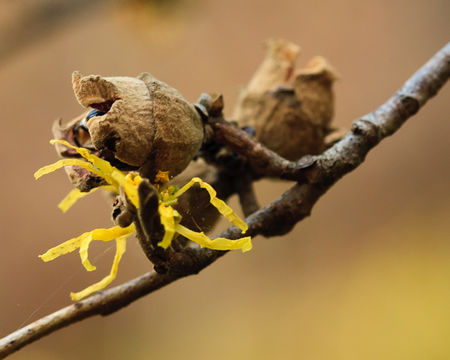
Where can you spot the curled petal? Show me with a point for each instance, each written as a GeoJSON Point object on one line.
{"type": "Point", "coordinates": [220, 205]}
{"type": "Point", "coordinates": [66, 162]}
{"type": "Point", "coordinates": [84, 248]}
{"type": "Point", "coordinates": [97, 234]}
{"type": "Point", "coordinates": [102, 235]}
{"type": "Point", "coordinates": [167, 215]}
{"type": "Point", "coordinates": [104, 169]}
{"type": "Point", "coordinates": [100, 164]}
{"type": "Point", "coordinates": [120, 249]}
{"type": "Point", "coordinates": [245, 243]}
{"type": "Point", "coordinates": [129, 184]}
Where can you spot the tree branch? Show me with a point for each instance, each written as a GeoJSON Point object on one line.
{"type": "Point", "coordinates": [278, 217]}
{"type": "Point", "coordinates": [264, 162]}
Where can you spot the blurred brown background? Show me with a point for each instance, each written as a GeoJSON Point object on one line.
{"type": "Point", "coordinates": [366, 277]}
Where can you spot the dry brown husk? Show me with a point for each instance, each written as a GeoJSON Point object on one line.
{"type": "Point", "coordinates": [146, 123]}
{"type": "Point", "coordinates": [290, 110]}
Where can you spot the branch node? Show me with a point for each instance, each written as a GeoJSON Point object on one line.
{"type": "Point", "coordinates": [367, 129]}
{"type": "Point", "coordinates": [410, 105]}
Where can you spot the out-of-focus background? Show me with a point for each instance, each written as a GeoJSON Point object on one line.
{"type": "Point", "coordinates": [367, 276]}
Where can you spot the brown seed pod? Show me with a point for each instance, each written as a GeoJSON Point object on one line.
{"type": "Point", "coordinates": [142, 121]}
{"type": "Point", "coordinates": [290, 110]}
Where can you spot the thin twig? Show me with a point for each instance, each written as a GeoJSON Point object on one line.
{"type": "Point", "coordinates": [278, 217]}
{"type": "Point", "coordinates": [246, 192]}
{"type": "Point", "coordinates": [264, 162]}
{"type": "Point", "coordinates": [102, 303]}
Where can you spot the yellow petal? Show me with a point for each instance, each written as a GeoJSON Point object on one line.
{"type": "Point", "coordinates": [72, 197]}
{"type": "Point", "coordinates": [220, 205]}
{"type": "Point", "coordinates": [120, 250]}
{"type": "Point", "coordinates": [245, 243]}
{"type": "Point", "coordinates": [74, 243]}
{"type": "Point", "coordinates": [102, 235]}
{"type": "Point", "coordinates": [167, 217]}
{"type": "Point", "coordinates": [65, 162]}
{"type": "Point", "coordinates": [84, 248]}
{"type": "Point", "coordinates": [62, 249]}
{"type": "Point", "coordinates": [129, 185]}
{"type": "Point", "coordinates": [103, 165]}
{"type": "Point", "coordinates": [104, 169]}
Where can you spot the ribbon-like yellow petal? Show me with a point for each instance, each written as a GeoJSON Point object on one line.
{"type": "Point", "coordinates": [62, 249]}
{"type": "Point", "coordinates": [65, 162]}
{"type": "Point", "coordinates": [84, 248]}
{"type": "Point", "coordinates": [120, 249]}
{"type": "Point", "coordinates": [220, 205]}
{"type": "Point", "coordinates": [129, 184]}
{"type": "Point", "coordinates": [97, 234]}
{"type": "Point", "coordinates": [103, 165]}
{"type": "Point", "coordinates": [167, 216]}
{"type": "Point", "coordinates": [104, 169]}
{"type": "Point", "coordinates": [72, 197]}
{"type": "Point", "coordinates": [102, 235]}
{"type": "Point", "coordinates": [245, 243]}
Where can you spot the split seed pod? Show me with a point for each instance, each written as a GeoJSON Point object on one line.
{"type": "Point", "coordinates": [290, 110]}
{"type": "Point", "coordinates": [142, 122]}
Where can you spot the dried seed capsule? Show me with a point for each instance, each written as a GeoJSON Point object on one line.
{"type": "Point", "coordinates": [290, 110]}
{"type": "Point", "coordinates": [142, 121]}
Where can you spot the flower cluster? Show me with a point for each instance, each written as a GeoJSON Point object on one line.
{"type": "Point", "coordinates": [128, 183]}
